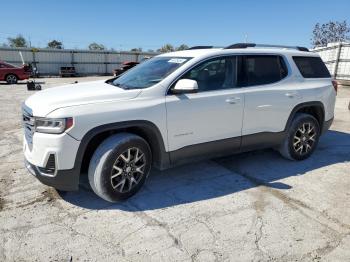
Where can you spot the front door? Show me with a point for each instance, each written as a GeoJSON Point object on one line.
{"type": "Point", "coordinates": [213, 115]}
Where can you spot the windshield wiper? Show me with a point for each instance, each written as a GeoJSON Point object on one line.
{"type": "Point", "coordinates": [119, 85]}
{"type": "Point", "coordinates": [155, 80]}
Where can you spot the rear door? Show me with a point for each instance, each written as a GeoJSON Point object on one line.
{"type": "Point", "coordinates": [269, 96]}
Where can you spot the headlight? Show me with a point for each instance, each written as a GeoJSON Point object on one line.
{"type": "Point", "coordinates": [53, 125]}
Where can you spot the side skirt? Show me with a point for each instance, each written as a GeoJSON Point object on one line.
{"type": "Point", "coordinates": [225, 147]}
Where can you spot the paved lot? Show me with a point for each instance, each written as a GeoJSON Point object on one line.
{"type": "Point", "coordinates": [250, 207]}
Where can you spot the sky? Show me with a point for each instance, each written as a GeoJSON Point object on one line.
{"type": "Point", "coordinates": [150, 24]}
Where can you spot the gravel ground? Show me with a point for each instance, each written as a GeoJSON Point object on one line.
{"type": "Point", "coordinates": [249, 207]}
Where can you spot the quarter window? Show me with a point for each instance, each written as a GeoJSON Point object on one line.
{"type": "Point", "coordinates": [311, 67]}
{"type": "Point", "coordinates": [215, 74]}
{"type": "Point", "coordinates": [260, 70]}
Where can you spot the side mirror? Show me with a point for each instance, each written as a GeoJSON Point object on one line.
{"type": "Point", "coordinates": [185, 86]}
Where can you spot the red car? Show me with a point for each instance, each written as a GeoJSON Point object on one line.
{"type": "Point", "coordinates": [125, 67]}
{"type": "Point", "coordinates": [11, 74]}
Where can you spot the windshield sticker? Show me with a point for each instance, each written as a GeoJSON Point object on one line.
{"type": "Point", "coordinates": [177, 60]}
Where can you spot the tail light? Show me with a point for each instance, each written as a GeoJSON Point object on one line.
{"type": "Point", "coordinates": [335, 86]}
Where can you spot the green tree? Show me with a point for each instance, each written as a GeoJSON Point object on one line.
{"type": "Point", "coordinates": [18, 41]}
{"type": "Point", "coordinates": [182, 47]}
{"type": "Point", "coordinates": [330, 32]}
{"type": "Point", "coordinates": [95, 46]}
{"type": "Point", "coordinates": [55, 44]}
{"type": "Point", "coordinates": [166, 48]}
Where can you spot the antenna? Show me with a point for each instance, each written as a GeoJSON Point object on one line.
{"type": "Point", "coordinates": [20, 54]}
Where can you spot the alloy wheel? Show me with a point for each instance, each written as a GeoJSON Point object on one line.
{"type": "Point", "coordinates": [304, 138]}
{"type": "Point", "coordinates": [11, 79]}
{"type": "Point", "coordinates": [128, 170]}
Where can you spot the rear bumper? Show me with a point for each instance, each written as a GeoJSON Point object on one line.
{"type": "Point", "coordinates": [65, 180]}
{"type": "Point", "coordinates": [326, 125]}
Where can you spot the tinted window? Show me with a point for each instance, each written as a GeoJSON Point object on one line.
{"type": "Point", "coordinates": [215, 74]}
{"type": "Point", "coordinates": [260, 70]}
{"type": "Point", "coordinates": [311, 67]}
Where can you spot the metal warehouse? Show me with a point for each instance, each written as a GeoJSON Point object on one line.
{"type": "Point", "coordinates": [49, 61]}
{"type": "Point", "coordinates": [337, 58]}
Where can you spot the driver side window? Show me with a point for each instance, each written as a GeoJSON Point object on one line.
{"type": "Point", "coordinates": [215, 74]}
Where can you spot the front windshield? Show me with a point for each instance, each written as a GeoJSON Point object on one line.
{"type": "Point", "coordinates": [149, 72]}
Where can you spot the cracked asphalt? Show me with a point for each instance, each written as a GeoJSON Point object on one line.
{"type": "Point", "coordinates": [254, 206]}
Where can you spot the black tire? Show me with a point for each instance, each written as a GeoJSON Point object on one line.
{"type": "Point", "coordinates": [110, 155]}
{"type": "Point", "coordinates": [11, 79]}
{"type": "Point", "coordinates": [298, 145]}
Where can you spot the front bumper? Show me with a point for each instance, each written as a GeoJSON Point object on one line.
{"type": "Point", "coordinates": [38, 149]}
{"type": "Point", "coordinates": [51, 159]}
{"type": "Point", "coordinates": [65, 180]}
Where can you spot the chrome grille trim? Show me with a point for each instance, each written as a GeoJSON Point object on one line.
{"type": "Point", "coordinates": [28, 122]}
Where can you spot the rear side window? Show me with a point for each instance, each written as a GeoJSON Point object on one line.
{"type": "Point", "coordinates": [311, 67]}
{"type": "Point", "coordinates": [260, 70]}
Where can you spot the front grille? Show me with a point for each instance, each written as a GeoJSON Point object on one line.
{"type": "Point", "coordinates": [28, 125]}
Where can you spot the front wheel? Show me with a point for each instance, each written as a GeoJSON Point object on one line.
{"type": "Point", "coordinates": [120, 166]}
{"type": "Point", "coordinates": [11, 79]}
{"type": "Point", "coordinates": [302, 137]}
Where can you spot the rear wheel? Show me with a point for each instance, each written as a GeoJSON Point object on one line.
{"type": "Point", "coordinates": [11, 79]}
{"type": "Point", "coordinates": [119, 166]}
{"type": "Point", "coordinates": [302, 137]}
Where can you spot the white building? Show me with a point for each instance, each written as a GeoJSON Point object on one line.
{"type": "Point", "coordinates": [337, 58]}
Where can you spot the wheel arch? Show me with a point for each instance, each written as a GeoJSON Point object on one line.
{"type": "Point", "coordinates": [314, 108]}
{"type": "Point", "coordinates": [145, 129]}
{"type": "Point", "coordinates": [6, 75]}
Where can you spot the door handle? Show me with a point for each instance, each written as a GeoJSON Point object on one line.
{"type": "Point", "coordinates": [233, 100]}
{"type": "Point", "coordinates": [291, 94]}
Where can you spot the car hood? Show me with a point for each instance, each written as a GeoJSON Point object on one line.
{"type": "Point", "coordinates": [45, 101]}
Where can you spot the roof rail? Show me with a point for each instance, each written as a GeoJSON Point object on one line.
{"type": "Point", "coordinates": [240, 45]}
{"type": "Point", "coordinates": [200, 47]}
{"type": "Point", "coordinates": [246, 45]}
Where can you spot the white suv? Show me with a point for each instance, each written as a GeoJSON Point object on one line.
{"type": "Point", "coordinates": [174, 108]}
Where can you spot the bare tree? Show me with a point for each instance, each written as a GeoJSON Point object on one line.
{"type": "Point", "coordinates": [330, 32]}
{"type": "Point", "coordinates": [95, 46]}
{"type": "Point", "coordinates": [55, 44]}
{"type": "Point", "coordinates": [18, 41]}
